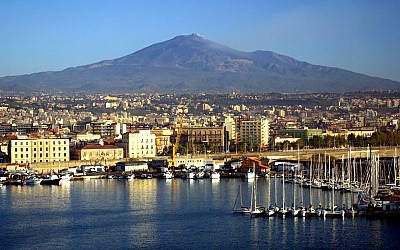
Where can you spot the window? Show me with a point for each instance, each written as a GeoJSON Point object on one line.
{"type": "Point", "coordinates": [16, 150]}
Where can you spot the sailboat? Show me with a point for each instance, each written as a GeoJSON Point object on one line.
{"type": "Point", "coordinates": [283, 211]}
{"type": "Point", "coordinates": [256, 210]}
{"type": "Point", "coordinates": [332, 212]}
{"type": "Point", "coordinates": [272, 208]}
{"type": "Point", "coordinates": [242, 209]}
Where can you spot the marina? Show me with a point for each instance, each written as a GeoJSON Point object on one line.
{"type": "Point", "coordinates": [159, 213]}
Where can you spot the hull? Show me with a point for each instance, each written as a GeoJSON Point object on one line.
{"type": "Point", "coordinates": [50, 182]}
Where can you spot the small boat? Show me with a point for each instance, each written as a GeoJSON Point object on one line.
{"type": "Point", "coordinates": [189, 175]}
{"type": "Point", "coordinates": [146, 176]}
{"type": "Point", "coordinates": [168, 175]}
{"type": "Point", "coordinates": [33, 181]}
{"type": "Point", "coordinates": [214, 175]}
{"type": "Point", "coordinates": [242, 209]}
{"type": "Point", "coordinates": [130, 176]}
{"type": "Point", "coordinates": [200, 175]}
{"type": "Point", "coordinates": [65, 179]}
{"type": "Point", "coordinates": [51, 180]}
{"type": "Point", "coordinates": [250, 175]}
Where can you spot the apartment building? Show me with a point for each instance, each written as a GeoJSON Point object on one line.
{"type": "Point", "coordinates": [210, 137]}
{"type": "Point", "coordinates": [253, 131]}
{"type": "Point", "coordinates": [38, 150]}
{"type": "Point", "coordinates": [139, 144]}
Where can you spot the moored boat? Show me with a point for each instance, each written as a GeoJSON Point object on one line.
{"type": "Point", "coordinates": [51, 180]}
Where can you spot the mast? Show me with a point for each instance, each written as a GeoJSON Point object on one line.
{"type": "Point", "coordinates": [283, 187]}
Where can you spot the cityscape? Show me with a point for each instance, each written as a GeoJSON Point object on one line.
{"type": "Point", "coordinates": [199, 125]}
{"type": "Point", "coordinates": [220, 123]}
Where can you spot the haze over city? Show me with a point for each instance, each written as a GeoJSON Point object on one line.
{"type": "Point", "coordinates": [361, 36]}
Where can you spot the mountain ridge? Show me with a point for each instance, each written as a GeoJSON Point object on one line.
{"type": "Point", "coordinates": [192, 63]}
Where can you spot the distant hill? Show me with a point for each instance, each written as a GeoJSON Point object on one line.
{"type": "Point", "coordinates": [192, 64]}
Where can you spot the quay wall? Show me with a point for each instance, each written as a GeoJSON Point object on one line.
{"type": "Point", "coordinates": [305, 155]}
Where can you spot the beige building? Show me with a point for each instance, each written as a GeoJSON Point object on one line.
{"type": "Point", "coordinates": [253, 131]}
{"type": "Point", "coordinates": [163, 138]}
{"type": "Point", "coordinates": [98, 153]}
{"type": "Point", "coordinates": [139, 144]}
{"type": "Point", "coordinates": [38, 150]}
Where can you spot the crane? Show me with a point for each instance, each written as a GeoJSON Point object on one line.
{"type": "Point", "coordinates": [171, 163]}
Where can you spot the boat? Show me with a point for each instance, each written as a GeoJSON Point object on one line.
{"type": "Point", "coordinates": [146, 176]}
{"type": "Point", "coordinates": [242, 209]}
{"type": "Point", "coordinates": [283, 211]}
{"type": "Point", "coordinates": [256, 210]}
{"type": "Point", "coordinates": [214, 175]}
{"type": "Point", "coordinates": [33, 181]}
{"type": "Point", "coordinates": [168, 175]}
{"type": "Point", "coordinates": [65, 179]}
{"type": "Point", "coordinates": [199, 175]}
{"type": "Point", "coordinates": [249, 175]}
{"type": "Point", "coordinates": [333, 211]}
{"type": "Point", "coordinates": [130, 176]}
{"type": "Point", "coordinates": [189, 175]}
{"type": "Point", "coordinates": [51, 180]}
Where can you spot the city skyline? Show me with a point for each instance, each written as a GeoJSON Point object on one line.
{"type": "Point", "coordinates": [361, 36]}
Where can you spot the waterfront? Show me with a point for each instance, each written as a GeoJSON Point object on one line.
{"type": "Point", "coordinates": [173, 214]}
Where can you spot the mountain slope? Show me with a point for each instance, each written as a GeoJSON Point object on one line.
{"type": "Point", "coordinates": [192, 63]}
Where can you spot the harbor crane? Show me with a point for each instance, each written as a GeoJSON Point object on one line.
{"type": "Point", "coordinates": [171, 162]}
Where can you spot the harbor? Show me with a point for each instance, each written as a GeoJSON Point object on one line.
{"type": "Point", "coordinates": [174, 213]}
{"type": "Point", "coordinates": [359, 183]}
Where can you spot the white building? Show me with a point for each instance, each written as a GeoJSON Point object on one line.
{"type": "Point", "coordinates": [139, 144]}
{"type": "Point", "coordinates": [38, 150]}
{"type": "Point", "coordinates": [254, 132]}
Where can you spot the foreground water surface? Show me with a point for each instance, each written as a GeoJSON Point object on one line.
{"type": "Point", "coordinates": [176, 214]}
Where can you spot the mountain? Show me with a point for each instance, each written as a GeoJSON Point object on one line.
{"type": "Point", "coordinates": [193, 64]}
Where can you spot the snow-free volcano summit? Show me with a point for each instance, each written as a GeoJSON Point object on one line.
{"type": "Point", "coordinates": [194, 64]}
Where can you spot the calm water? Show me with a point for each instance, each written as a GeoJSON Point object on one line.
{"type": "Point", "coordinates": [174, 214]}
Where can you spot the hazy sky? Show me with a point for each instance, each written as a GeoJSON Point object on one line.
{"type": "Point", "coordinates": [361, 36]}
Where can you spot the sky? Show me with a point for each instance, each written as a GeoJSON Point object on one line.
{"type": "Point", "coordinates": [46, 35]}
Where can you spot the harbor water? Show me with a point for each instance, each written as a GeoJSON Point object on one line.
{"type": "Point", "coordinates": [177, 214]}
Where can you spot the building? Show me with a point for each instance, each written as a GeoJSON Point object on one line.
{"type": "Point", "coordinates": [38, 150]}
{"type": "Point", "coordinates": [253, 132]}
{"type": "Point", "coordinates": [163, 137]}
{"type": "Point", "coordinates": [209, 138]}
{"type": "Point", "coordinates": [305, 134]}
{"type": "Point", "coordinates": [139, 144]}
{"type": "Point", "coordinates": [98, 153]}
{"type": "Point", "coordinates": [132, 166]}
{"type": "Point", "coordinates": [103, 128]}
